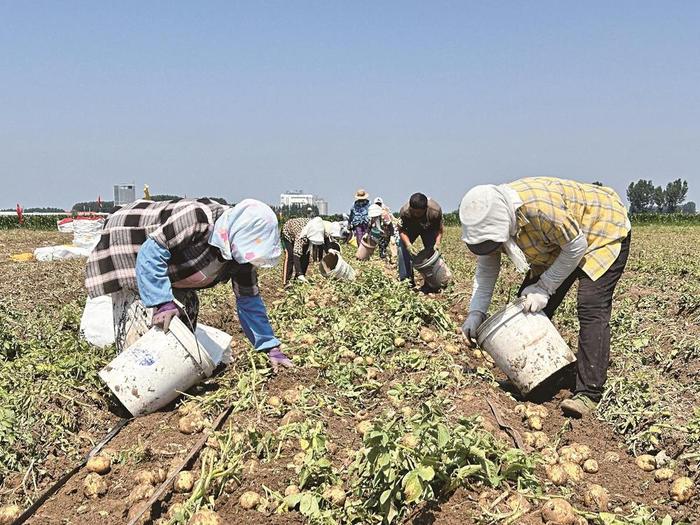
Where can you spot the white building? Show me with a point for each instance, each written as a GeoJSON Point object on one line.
{"type": "Point", "coordinates": [124, 194]}
{"type": "Point", "coordinates": [299, 198]}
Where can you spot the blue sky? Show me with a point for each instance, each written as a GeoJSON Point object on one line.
{"type": "Point", "coordinates": [249, 99]}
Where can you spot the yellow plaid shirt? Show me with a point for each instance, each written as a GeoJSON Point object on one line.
{"type": "Point", "coordinates": [553, 213]}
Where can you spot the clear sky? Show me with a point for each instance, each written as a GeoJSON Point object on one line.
{"type": "Point", "coordinates": [248, 99]}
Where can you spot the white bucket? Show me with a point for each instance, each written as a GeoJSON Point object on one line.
{"type": "Point", "coordinates": [433, 268]}
{"type": "Point", "coordinates": [334, 266]}
{"type": "Point", "coordinates": [526, 346]}
{"type": "Point", "coordinates": [154, 370]}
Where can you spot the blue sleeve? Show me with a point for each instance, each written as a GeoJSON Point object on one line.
{"type": "Point", "coordinates": [152, 274]}
{"type": "Point", "coordinates": [255, 323]}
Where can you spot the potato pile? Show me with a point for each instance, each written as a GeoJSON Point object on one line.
{"type": "Point", "coordinates": [532, 415]}
{"type": "Point", "coordinates": [95, 485]}
{"type": "Point", "coordinates": [682, 489]}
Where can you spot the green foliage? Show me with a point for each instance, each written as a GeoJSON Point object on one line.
{"type": "Point", "coordinates": [640, 195]}
{"type": "Point", "coordinates": [31, 222]}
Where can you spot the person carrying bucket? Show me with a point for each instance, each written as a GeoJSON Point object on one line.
{"type": "Point", "coordinates": [381, 227]}
{"type": "Point", "coordinates": [300, 235]}
{"type": "Point", "coordinates": [152, 257]}
{"type": "Point", "coordinates": [556, 232]}
{"type": "Point", "coordinates": [358, 220]}
{"type": "Point", "coordinates": [419, 217]}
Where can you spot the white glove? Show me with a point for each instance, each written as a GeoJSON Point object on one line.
{"type": "Point", "coordinates": [301, 278]}
{"type": "Point", "coordinates": [536, 298]}
{"type": "Point", "coordinates": [470, 326]}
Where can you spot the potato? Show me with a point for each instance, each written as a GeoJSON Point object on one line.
{"type": "Point", "coordinates": [372, 373]}
{"type": "Point", "coordinates": [99, 464]}
{"type": "Point", "coordinates": [359, 361]}
{"type": "Point", "coordinates": [299, 458]}
{"type": "Point", "coordinates": [590, 466]}
{"type": "Point", "coordinates": [451, 349]}
{"type": "Point", "coordinates": [249, 500]}
{"type": "Point", "coordinates": [663, 474]}
{"type": "Point", "coordinates": [184, 482]}
{"type": "Point", "coordinates": [346, 353]}
{"type": "Point", "coordinates": [291, 490]}
{"type": "Point", "coordinates": [139, 493]}
{"type": "Point", "coordinates": [94, 486]}
{"type": "Point", "coordinates": [583, 450]}
{"type": "Point", "coordinates": [145, 477]}
{"type": "Point", "coordinates": [291, 396]}
{"type": "Point", "coordinates": [274, 401]}
{"type": "Point", "coordinates": [646, 462]}
{"type": "Point", "coordinates": [570, 454]}
{"type": "Point", "coordinates": [612, 457]}
{"type": "Point", "coordinates": [517, 502]}
{"type": "Point", "coordinates": [293, 416]}
{"type": "Point", "coordinates": [409, 441]}
{"type": "Point", "coordinates": [573, 471]}
{"type": "Point", "coordinates": [549, 456]}
{"type": "Point", "coordinates": [529, 439]}
{"type": "Point", "coordinates": [406, 412]}
{"type": "Point", "coordinates": [597, 498]}
{"type": "Point", "coordinates": [9, 513]}
{"type": "Point", "coordinates": [399, 342]}
{"type": "Point", "coordinates": [556, 474]}
{"type": "Point", "coordinates": [427, 335]}
{"type": "Point", "coordinates": [477, 354]}
{"type": "Point", "coordinates": [139, 510]}
{"type": "Point", "coordinates": [205, 517]}
{"type": "Point", "coordinates": [558, 512]}
{"type": "Point", "coordinates": [536, 410]}
{"type": "Point", "coordinates": [682, 490]}
{"type": "Point", "coordinates": [369, 360]}
{"type": "Point", "coordinates": [192, 423]}
{"type": "Point", "coordinates": [336, 495]}
{"type": "Point", "coordinates": [534, 422]}
{"type": "Point", "coordinates": [363, 427]}
{"type": "Point", "coordinates": [520, 410]}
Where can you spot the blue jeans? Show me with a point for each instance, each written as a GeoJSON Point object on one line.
{"type": "Point", "coordinates": [405, 262]}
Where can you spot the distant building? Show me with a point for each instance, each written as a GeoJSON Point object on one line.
{"type": "Point", "coordinates": [299, 198]}
{"type": "Point", "coordinates": [124, 194]}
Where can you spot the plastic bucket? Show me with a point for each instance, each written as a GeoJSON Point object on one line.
{"type": "Point", "coordinates": [366, 248]}
{"type": "Point", "coordinates": [525, 346]}
{"type": "Point", "coordinates": [154, 370]}
{"type": "Point", "coordinates": [433, 268]}
{"type": "Point", "coordinates": [334, 266]}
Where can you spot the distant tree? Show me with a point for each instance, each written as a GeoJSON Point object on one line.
{"type": "Point", "coordinates": [597, 183]}
{"type": "Point", "coordinates": [94, 206]}
{"type": "Point", "coordinates": [659, 198]}
{"type": "Point", "coordinates": [220, 200]}
{"type": "Point", "coordinates": [47, 209]}
{"type": "Point", "coordinates": [675, 194]}
{"type": "Point", "coordinates": [160, 198]}
{"type": "Point", "coordinates": [689, 208]}
{"type": "Point", "coordinates": [297, 210]}
{"type": "Point", "coordinates": [640, 194]}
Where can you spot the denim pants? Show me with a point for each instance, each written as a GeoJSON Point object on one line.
{"type": "Point", "coordinates": [405, 261]}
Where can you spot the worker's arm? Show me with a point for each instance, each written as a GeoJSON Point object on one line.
{"type": "Point", "coordinates": [487, 269]}
{"type": "Point", "coordinates": [251, 309]}
{"type": "Point", "coordinates": [438, 237]}
{"type": "Point", "coordinates": [152, 274]}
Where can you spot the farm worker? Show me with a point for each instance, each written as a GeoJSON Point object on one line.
{"type": "Point", "coordinates": [157, 254]}
{"type": "Point", "coordinates": [381, 228]}
{"type": "Point", "coordinates": [420, 217]}
{"type": "Point", "coordinates": [358, 220]}
{"type": "Point", "coordinates": [555, 231]}
{"type": "Point", "coordinates": [299, 236]}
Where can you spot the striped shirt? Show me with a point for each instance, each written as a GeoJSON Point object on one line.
{"type": "Point", "coordinates": [555, 211]}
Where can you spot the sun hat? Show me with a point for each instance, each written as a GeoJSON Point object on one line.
{"type": "Point", "coordinates": [361, 194]}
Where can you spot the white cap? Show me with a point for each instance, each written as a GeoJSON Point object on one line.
{"type": "Point", "coordinates": [374, 211]}
{"type": "Point", "coordinates": [485, 215]}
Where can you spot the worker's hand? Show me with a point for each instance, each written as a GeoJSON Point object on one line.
{"type": "Point", "coordinates": [278, 359]}
{"type": "Point", "coordinates": [536, 298]}
{"type": "Point", "coordinates": [301, 278]}
{"type": "Point", "coordinates": [412, 249]}
{"type": "Point", "coordinates": [471, 325]}
{"type": "Point", "coordinates": [164, 314]}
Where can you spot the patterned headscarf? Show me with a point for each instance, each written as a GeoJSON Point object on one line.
{"type": "Point", "coordinates": [247, 233]}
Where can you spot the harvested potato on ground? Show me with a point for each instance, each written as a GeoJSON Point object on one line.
{"type": "Point", "coordinates": [573, 471]}
{"type": "Point", "coordinates": [612, 457]}
{"type": "Point", "coordinates": [549, 456]}
{"type": "Point", "coordinates": [336, 495]}
{"type": "Point", "coordinates": [534, 422]}
{"type": "Point", "coordinates": [406, 412]}
{"type": "Point", "coordinates": [9, 513]}
{"type": "Point", "coordinates": [541, 440]}
{"type": "Point", "coordinates": [363, 427]}
{"type": "Point", "coordinates": [529, 439]}
{"type": "Point", "coordinates": [663, 474]}
{"type": "Point", "coordinates": [139, 493]}
{"type": "Point", "coordinates": [175, 509]}
{"type": "Point", "coordinates": [590, 466]}
{"type": "Point", "coordinates": [94, 485]}
{"type": "Point", "coordinates": [99, 464]}
{"type": "Point", "coordinates": [399, 342]}
{"type": "Point", "coordinates": [570, 454]}
{"type": "Point", "coordinates": [556, 474]}
{"type": "Point", "coordinates": [682, 490]}
{"type": "Point", "coordinates": [369, 360]}
{"type": "Point", "coordinates": [583, 450]}
{"type": "Point", "coordinates": [192, 423]}
{"type": "Point", "coordinates": [536, 410]}
{"type": "Point", "coordinates": [184, 482]}
{"type": "Point", "coordinates": [291, 490]}
{"type": "Point", "coordinates": [140, 510]}
{"type": "Point", "coordinates": [293, 416]}
{"type": "Point", "coordinates": [409, 441]}
{"type": "Point", "coordinates": [359, 361]}
{"type": "Point", "coordinates": [597, 498]}
{"type": "Point", "coordinates": [274, 401]}
{"type": "Point", "coordinates": [518, 502]}
{"type": "Point", "coordinates": [291, 396]}
{"type": "Point", "coordinates": [249, 500]}
{"type": "Point", "coordinates": [646, 462]}
{"type": "Point", "coordinates": [451, 349]}
{"type": "Point", "coordinates": [205, 517]}
{"type": "Point", "coordinates": [346, 353]}
{"type": "Point", "coordinates": [558, 512]}
{"type": "Point", "coordinates": [427, 335]}
{"type": "Point", "coordinates": [372, 373]}
{"type": "Point", "coordinates": [520, 410]}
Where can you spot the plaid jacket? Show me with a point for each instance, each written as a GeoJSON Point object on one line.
{"type": "Point", "coordinates": [182, 226]}
{"type": "Point", "coordinates": [553, 213]}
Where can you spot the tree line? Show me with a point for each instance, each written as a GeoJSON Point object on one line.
{"type": "Point", "coordinates": [644, 197]}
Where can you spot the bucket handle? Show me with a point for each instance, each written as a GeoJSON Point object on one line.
{"type": "Point", "coordinates": [202, 358]}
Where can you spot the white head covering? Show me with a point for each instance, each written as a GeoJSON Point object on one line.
{"type": "Point", "coordinates": [247, 233]}
{"type": "Point", "coordinates": [314, 231]}
{"type": "Point", "coordinates": [379, 201]}
{"type": "Point", "coordinates": [487, 213]}
{"type": "Point", "coordinates": [375, 210]}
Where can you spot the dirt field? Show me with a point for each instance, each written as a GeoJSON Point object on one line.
{"type": "Point", "coordinates": [387, 415]}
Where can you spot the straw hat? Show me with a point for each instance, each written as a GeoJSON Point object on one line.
{"type": "Point", "coordinates": [361, 194]}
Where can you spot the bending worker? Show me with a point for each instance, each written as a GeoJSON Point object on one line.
{"type": "Point", "coordinates": [155, 255]}
{"type": "Point", "coordinates": [557, 232]}
{"type": "Point", "coordinates": [420, 217]}
{"type": "Point", "coordinates": [299, 236]}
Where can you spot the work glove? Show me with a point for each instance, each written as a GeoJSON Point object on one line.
{"type": "Point", "coordinates": [536, 298]}
{"type": "Point", "coordinates": [301, 278]}
{"type": "Point", "coordinates": [412, 249]}
{"type": "Point", "coordinates": [471, 325]}
{"type": "Point", "coordinates": [164, 314]}
{"type": "Point", "coordinates": [278, 359]}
